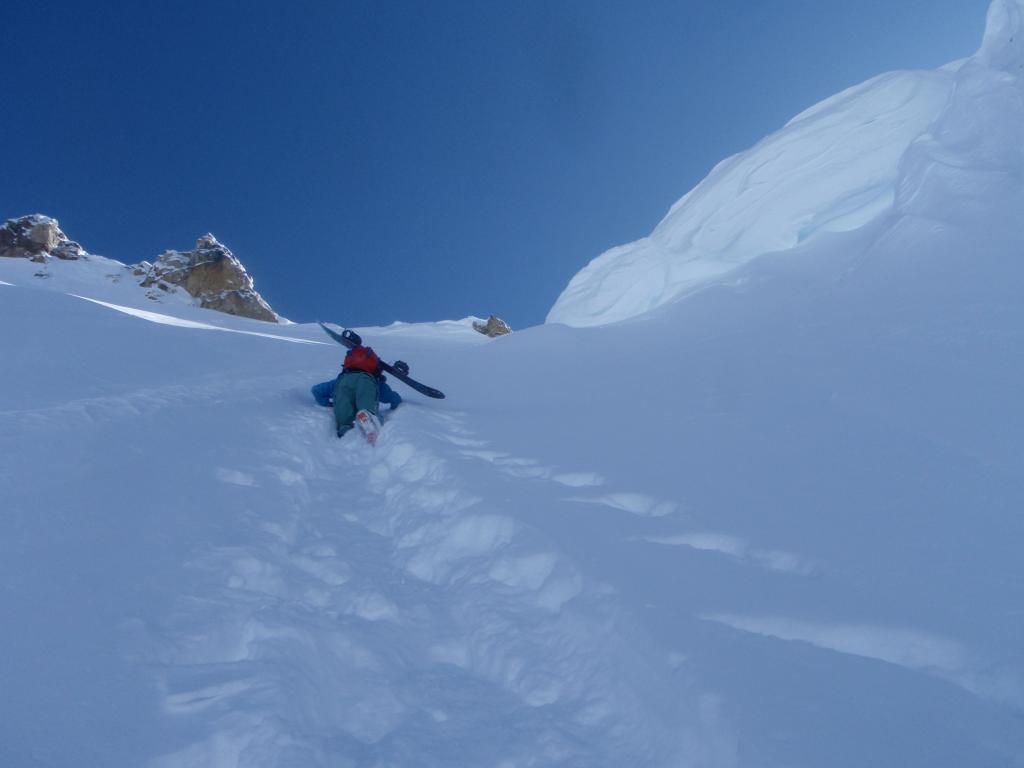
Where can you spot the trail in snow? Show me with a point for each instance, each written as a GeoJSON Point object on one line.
{"type": "Point", "coordinates": [367, 562]}
{"type": "Point", "coordinates": [282, 598]}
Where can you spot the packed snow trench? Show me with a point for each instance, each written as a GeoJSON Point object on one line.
{"type": "Point", "coordinates": [763, 515]}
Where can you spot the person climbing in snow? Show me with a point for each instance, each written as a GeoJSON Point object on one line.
{"type": "Point", "coordinates": [359, 388]}
{"type": "Point", "coordinates": [356, 393]}
{"type": "Point", "coordinates": [323, 392]}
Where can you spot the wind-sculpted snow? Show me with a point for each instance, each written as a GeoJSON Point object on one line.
{"type": "Point", "coordinates": [165, 319]}
{"type": "Point", "coordinates": [1002, 48]}
{"type": "Point", "coordinates": [836, 167]}
{"type": "Point", "coordinates": [970, 165]}
{"type": "Point", "coordinates": [832, 169]}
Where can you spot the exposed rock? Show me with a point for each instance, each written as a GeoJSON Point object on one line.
{"type": "Point", "coordinates": [212, 275]}
{"type": "Point", "coordinates": [69, 250]}
{"type": "Point", "coordinates": [37, 238]}
{"type": "Point", "coordinates": [494, 326]}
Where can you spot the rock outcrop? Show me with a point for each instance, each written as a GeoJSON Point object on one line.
{"type": "Point", "coordinates": [212, 275]}
{"type": "Point", "coordinates": [494, 326]}
{"type": "Point", "coordinates": [37, 238]}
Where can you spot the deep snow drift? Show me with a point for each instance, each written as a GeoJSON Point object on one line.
{"type": "Point", "coordinates": [834, 168]}
{"type": "Point", "coordinates": [789, 534]}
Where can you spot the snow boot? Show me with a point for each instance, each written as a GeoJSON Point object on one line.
{"type": "Point", "coordinates": [370, 425]}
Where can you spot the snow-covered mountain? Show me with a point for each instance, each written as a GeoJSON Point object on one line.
{"type": "Point", "coordinates": [775, 524]}
{"type": "Point", "coordinates": [210, 276]}
{"type": "Point", "coordinates": [933, 144]}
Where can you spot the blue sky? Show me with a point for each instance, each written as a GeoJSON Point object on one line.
{"type": "Point", "coordinates": [379, 161]}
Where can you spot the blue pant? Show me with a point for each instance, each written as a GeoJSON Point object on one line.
{"type": "Point", "coordinates": [388, 395]}
{"type": "Point", "coordinates": [323, 393]}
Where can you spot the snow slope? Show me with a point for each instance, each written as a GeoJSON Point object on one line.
{"type": "Point", "coordinates": [788, 536]}
{"type": "Point", "coordinates": [201, 574]}
{"type": "Point", "coordinates": [801, 549]}
{"type": "Point", "coordinates": [834, 168]}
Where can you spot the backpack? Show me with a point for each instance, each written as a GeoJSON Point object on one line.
{"type": "Point", "coordinates": [362, 359]}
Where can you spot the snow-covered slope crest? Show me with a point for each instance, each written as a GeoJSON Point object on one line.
{"type": "Point", "coordinates": [833, 168]}
{"type": "Point", "coordinates": [210, 276]}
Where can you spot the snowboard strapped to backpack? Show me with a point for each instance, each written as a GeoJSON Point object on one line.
{"type": "Point", "coordinates": [350, 339]}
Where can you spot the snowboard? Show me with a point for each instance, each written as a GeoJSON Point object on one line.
{"type": "Point", "coordinates": [423, 389]}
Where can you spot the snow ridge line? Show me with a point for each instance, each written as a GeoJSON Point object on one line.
{"type": "Point", "coordinates": [375, 605]}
